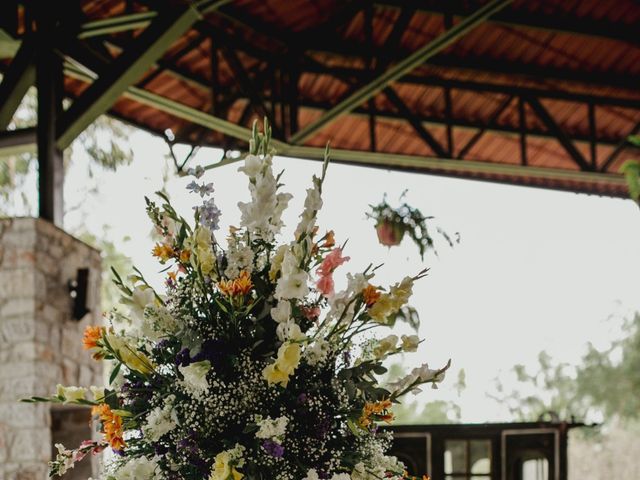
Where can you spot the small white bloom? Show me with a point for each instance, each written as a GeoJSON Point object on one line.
{"type": "Point", "coordinates": [252, 166]}
{"type": "Point", "coordinates": [312, 475]}
{"type": "Point", "coordinates": [195, 376]}
{"type": "Point", "coordinates": [272, 429]}
{"type": "Point", "coordinates": [160, 421]}
{"type": "Point", "coordinates": [140, 298]}
{"type": "Point", "coordinates": [281, 313]}
{"type": "Point", "coordinates": [317, 351]}
{"type": "Point", "coordinates": [289, 331]}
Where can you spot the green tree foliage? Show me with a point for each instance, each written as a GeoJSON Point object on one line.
{"type": "Point", "coordinates": [105, 142]}
{"type": "Point", "coordinates": [111, 257]}
{"type": "Point", "coordinates": [605, 383]}
{"type": "Point", "coordinates": [631, 171]}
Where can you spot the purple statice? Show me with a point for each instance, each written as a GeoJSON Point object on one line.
{"type": "Point", "coordinates": [196, 172]}
{"type": "Point", "coordinates": [273, 448]}
{"type": "Point", "coordinates": [302, 398]}
{"type": "Point", "coordinates": [203, 190]}
{"type": "Point", "coordinates": [209, 214]}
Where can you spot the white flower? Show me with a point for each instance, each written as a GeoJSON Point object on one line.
{"type": "Point", "coordinates": [252, 166]}
{"type": "Point", "coordinates": [341, 476]}
{"type": "Point", "coordinates": [289, 330]}
{"type": "Point", "coordinates": [160, 420]}
{"type": "Point", "coordinates": [312, 475]}
{"type": "Point", "coordinates": [139, 468]}
{"type": "Point", "coordinates": [140, 298]}
{"type": "Point", "coordinates": [272, 429]}
{"type": "Point", "coordinates": [71, 394]}
{"type": "Point", "coordinates": [317, 351]}
{"type": "Point", "coordinates": [410, 343]}
{"type": "Point", "coordinates": [281, 313]}
{"type": "Point", "coordinates": [195, 376]}
{"type": "Point", "coordinates": [292, 286]}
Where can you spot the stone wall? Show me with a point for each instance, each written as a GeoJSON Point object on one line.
{"type": "Point", "coordinates": [40, 343]}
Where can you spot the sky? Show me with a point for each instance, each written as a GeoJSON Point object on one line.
{"type": "Point", "coordinates": [535, 269]}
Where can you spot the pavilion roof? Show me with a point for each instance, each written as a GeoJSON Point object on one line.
{"type": "Point", "coordinates": [529, 92]}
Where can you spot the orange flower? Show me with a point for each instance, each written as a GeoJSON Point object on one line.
{"type": "Point", "coordinates": [380, 410]}
{"type": "Point", "coordinates": [243, 284]}
{"type": "Point", "coordinates": [173, 276]}
{"type": "Point", "coordinates": [111, 425]}
{"type": "Point", "coordinates": [329, 239]}
{"type": "Point", "coordinates": [185, 255]}
{"type": "Point", "coordinates": [92, 335]}
{"type": "Point", "coordinates": [370, 295]}
{"type": "Point", "coordinates": [238, 287]}
{"type": "Point", "coordinates": [163, 251]}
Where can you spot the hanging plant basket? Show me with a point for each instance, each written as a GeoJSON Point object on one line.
{"type": "Point", "coordinates": [393, 223]}
{"type": "Point", "coordinates": [390, 233]}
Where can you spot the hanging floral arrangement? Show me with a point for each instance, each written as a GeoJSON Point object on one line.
{"type": "Point", "coordinates": [392, 224]}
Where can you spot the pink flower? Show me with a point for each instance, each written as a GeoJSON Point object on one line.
{"type": "Point", "coordinates": [325, 285]}
{"type": "Point", "coordinates": [331, 262]}
{"type": "Point", "coordinates": [311, 313]}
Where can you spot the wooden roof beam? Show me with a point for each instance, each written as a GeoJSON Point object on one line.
{"type": "Point", "coordinates": [401, 68]}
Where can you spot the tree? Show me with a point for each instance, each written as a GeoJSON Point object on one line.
{"type": "Point", "coordinates": [606, 383]}
{"type": "Point", "coordinates": [105, 141]}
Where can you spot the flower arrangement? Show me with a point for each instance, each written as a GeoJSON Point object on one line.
{"type": "Point", "coordinates": [250, 366]}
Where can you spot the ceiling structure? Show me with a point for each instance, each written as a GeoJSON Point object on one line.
{"type": "Point", "coordinates": [531, 92]}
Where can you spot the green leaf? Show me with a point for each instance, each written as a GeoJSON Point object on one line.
{"type": "Point", "coordinates": [114, 373]}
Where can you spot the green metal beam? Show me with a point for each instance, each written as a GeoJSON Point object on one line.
{"type": "Point", "coordinates": [126, 69]}
{"type": "Point", "coordinates": [121, 23]}
{"type": "Point", "coordinates": [401, 68]}
{"type": "Point", "coordinates": [20, 76]}
{"type": "Point", "coordinates": [15, 142]}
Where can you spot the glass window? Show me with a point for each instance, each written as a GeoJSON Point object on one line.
{"type": "Point", "coordinates": [535, 469]}
{"type": "Point", "coordinates": [467, 459]}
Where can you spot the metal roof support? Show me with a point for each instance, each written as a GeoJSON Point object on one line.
{"type": "Point", "coordinates": [49, 82]}
{"type": "Point", "coordinates": [20, 76]}
{"type": "Point", "coordinates": [478, 135]}
{"type": "Point", "coordinates": [246, 85]}
{"type": "Point", "coordinates": [126, 69]}
{"type": "Point", "coordinates": [13, 142]}
{"type": "Point", "coordinates": [562, 137]}
{"type": "Point", "coordinates": [129, 67]}
{"type": "Point", "coordinates": [415, 123]}
{"type": "Point", "coordinates": [401, 68]}
{"type": "Point", "coordinates": [619, 148]}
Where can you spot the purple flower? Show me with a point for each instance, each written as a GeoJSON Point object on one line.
{"type": "Point", "coordinates": [209, 214]}
{"type": "Point", "coordinates": [302, 398]}
{"type": "Point", "coordinates": [202, 189]}
{"type": "Point", "coordinates": [273, 448]}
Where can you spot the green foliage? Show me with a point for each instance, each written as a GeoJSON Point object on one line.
{"type": "Point", "coordinates": [105, 141]}
{"type": "Point", "coordinates": [631, 171]}
{"type": "Point", "coordinates": [112, 258]}
{"type": "Point", "coordinates": [605, 382]}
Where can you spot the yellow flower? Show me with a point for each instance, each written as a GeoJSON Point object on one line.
{"type": "Point", "coordinates": [129, 355]}
{"type": "Point", "coordinates": [288, 357]}
{"type": "Point", "coordinates": [401, 292]}
{"type": "Point", "coordinates": [276, 262]}
{"type": "Point", "coordinates": [71, 394]}
{"type": "Point", "coordinates": [382, 308]}
{"type": "Point", "coordinates": [236, 474]}
{"type": "Point", "coordinates": [286, 363]}
{"type": "Point", "coordinates": [221, 468]}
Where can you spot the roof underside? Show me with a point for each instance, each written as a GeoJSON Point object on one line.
{"type": "Point", "coordinates": [541, 93]}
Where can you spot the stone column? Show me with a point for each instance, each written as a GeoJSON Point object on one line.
{"type": "Point", "coordinates": [40, 342]}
